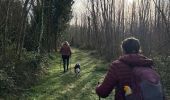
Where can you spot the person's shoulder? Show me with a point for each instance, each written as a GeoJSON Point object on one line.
{"type": "Point", "coordinates": [115, 64]}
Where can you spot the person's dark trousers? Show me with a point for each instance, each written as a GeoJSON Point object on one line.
{"type": "Point", "coordinates": [65, 62]}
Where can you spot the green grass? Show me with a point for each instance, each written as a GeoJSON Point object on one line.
{"type": "Point", "coordinates": [57, 85]}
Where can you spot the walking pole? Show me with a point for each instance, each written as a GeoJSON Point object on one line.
{"type": "Point", "coordinates": [70, 63]}
{"type": "Point", "coordinates": [60, 63]}
{"type": "Point", "coordinates": [99, 96]}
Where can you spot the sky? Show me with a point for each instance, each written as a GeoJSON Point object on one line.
{"type": "Point", "coordinates": [78, 7]}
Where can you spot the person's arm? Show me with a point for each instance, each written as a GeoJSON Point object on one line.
{"type": "Point", "coordinates": [108, 84]}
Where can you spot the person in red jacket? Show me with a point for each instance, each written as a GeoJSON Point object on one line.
{"type": "Point", "coordinates": [66, 54]}
{"type": "Point", "coordinates": [120, 73]}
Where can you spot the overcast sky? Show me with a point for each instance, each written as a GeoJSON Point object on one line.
{"type": "Point", "coordinates": [78, 7]}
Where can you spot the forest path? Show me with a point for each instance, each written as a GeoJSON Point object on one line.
{"type": "Point", "coordinates": [57, 85]}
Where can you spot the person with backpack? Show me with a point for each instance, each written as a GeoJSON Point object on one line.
{"type": "Point", "coordinates": [131, 75]}
{"type": "Point", "coordinates": [65, 51]}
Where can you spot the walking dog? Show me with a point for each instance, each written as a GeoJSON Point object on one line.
{"type": "Point", "coordinates": [77, 69]}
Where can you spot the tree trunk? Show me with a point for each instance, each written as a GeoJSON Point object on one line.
{"type": "Point", "coordinates": [42, 29]}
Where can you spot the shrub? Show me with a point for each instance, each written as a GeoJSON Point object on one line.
{"type": "Point", "coordinates": [6, 83]}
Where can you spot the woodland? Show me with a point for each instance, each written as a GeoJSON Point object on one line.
{"type": "Point", "coordinates": [31, 33]}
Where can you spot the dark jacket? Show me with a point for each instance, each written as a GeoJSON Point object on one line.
{"type": "Point", "coordinates": [65, 50]}
{"type": "Point", "coordinates": [120, 73]}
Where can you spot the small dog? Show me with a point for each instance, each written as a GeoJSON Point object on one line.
{"type": "Point", "coordinates": [77, 69]}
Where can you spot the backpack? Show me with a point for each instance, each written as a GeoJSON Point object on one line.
{"type": "Point", "coordinates": [148, 82]}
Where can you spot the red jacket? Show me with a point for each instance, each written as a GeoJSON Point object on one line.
{"type": "Point", "coordinates": [65, 50]}
{"type": "Point", "coordinates": [120, 73]}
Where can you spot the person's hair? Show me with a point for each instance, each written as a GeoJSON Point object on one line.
{"type": "Point", "coordinates": [66, 43]}
{"type": "Point", "coordinates": [131, 45]}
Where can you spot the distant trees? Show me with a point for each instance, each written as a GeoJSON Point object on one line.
{"type": "Point", "coordinates": [52, 17]}
{"type": "Point", "coordinates": [107, 22]}
{"type": "Point", "coordinates": [22, 21]}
